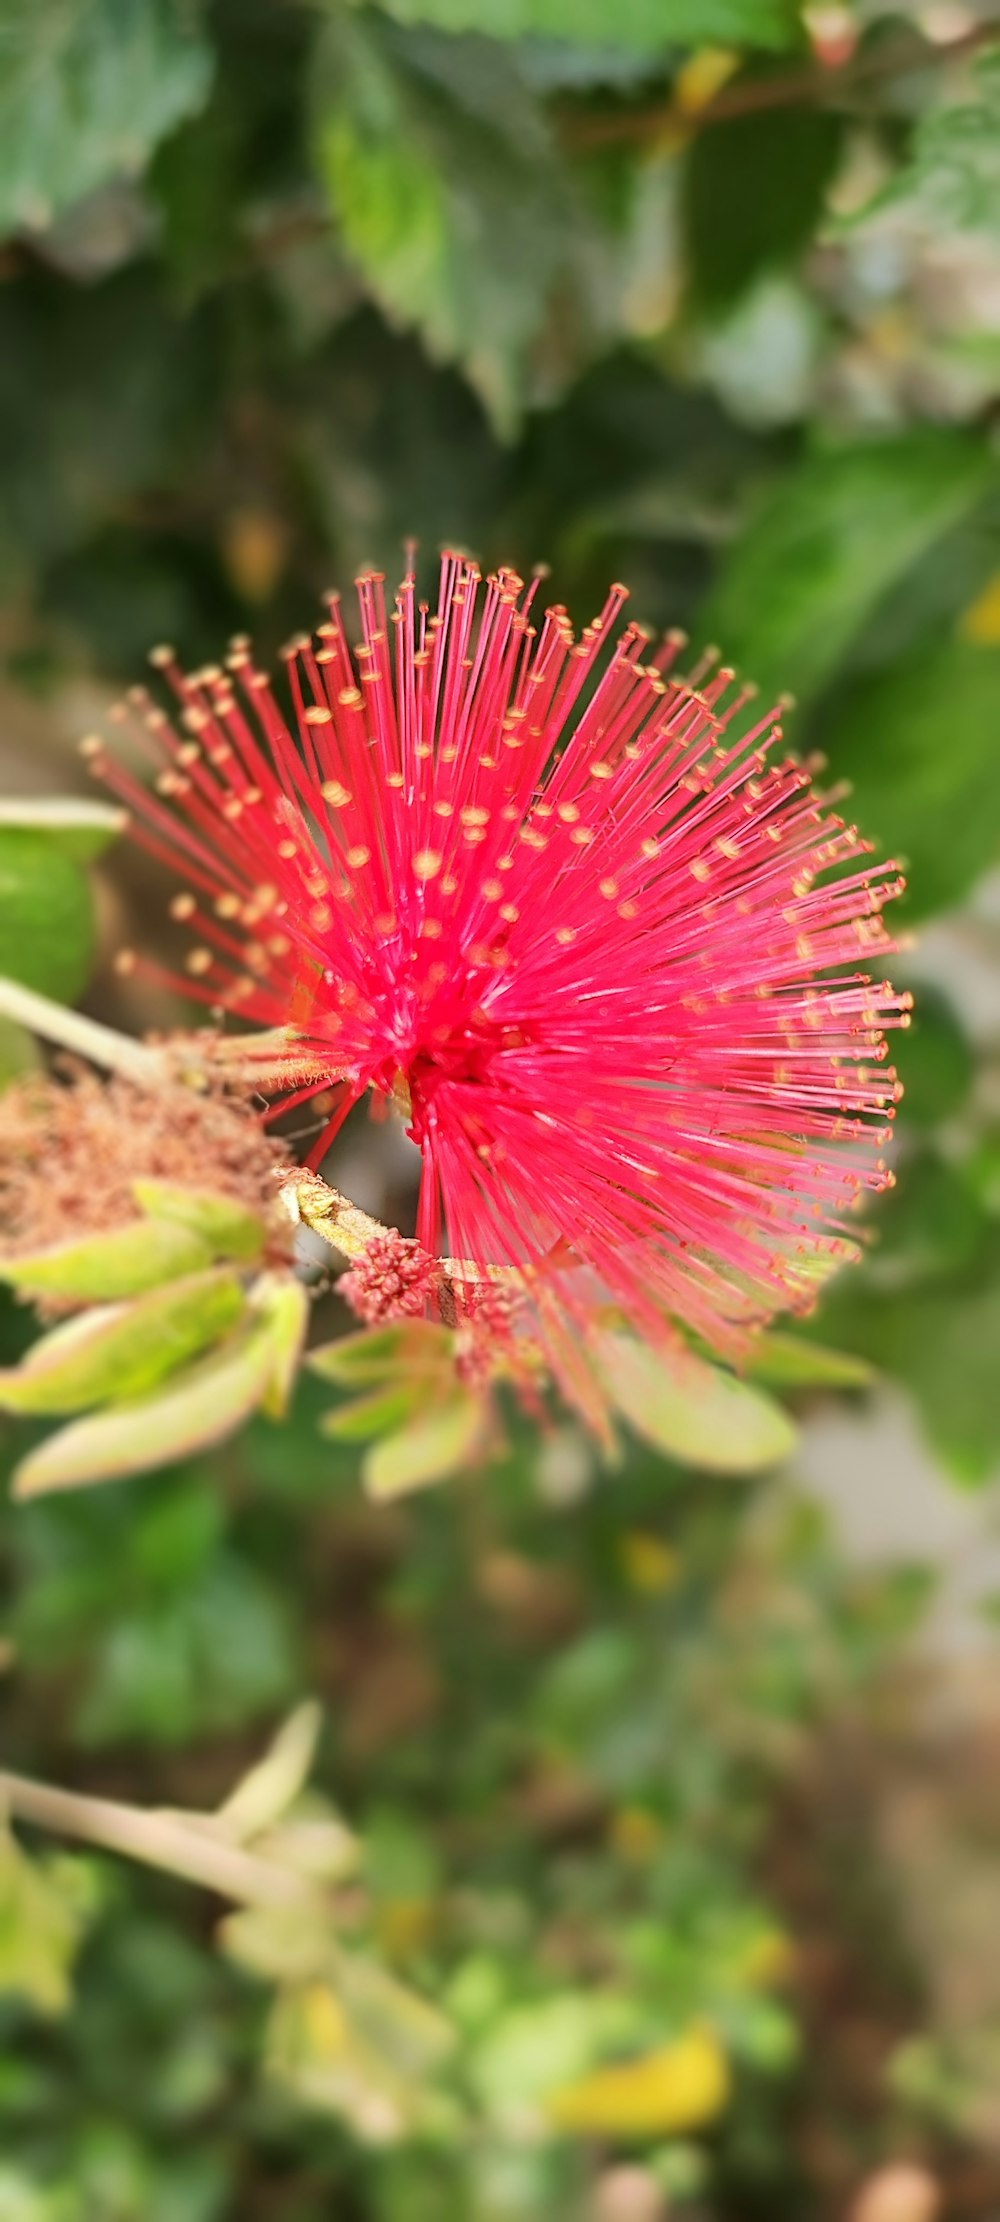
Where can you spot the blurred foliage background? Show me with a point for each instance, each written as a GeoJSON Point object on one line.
{"type": "Point", "coordinates": [664, 1881]}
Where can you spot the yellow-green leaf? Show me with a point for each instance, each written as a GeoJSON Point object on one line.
{"type": "Point", "coordinates": [793, 1362]}
{"type": "Point", "coordinates": [410, 1346]}
{"type": "Point", "coordinates": [266, 1793]}
{"type": "Point", "coordinates": [283, 1303]}
{"type": "Point", "coordinates": [42, 1914]}
{"type": "Point", "coordinates": [121, 1350]}
{"type": "Point", "coordinates": [80, 827]}
{"type": "Point", "coordinates": [696, 1412]}
{"type": "Point", "coordinates": [199, 1408]}
{"type": "Point", "coordinates": [100, 1268]}
{"type": "Point", "coordinates": [434, 1444]}
{"type": "Point", "coordinates": [229, 1229]}
{"type": "Point", "coordinates": [367, 1416]}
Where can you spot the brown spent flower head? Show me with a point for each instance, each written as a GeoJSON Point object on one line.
{"type": "Point", "coordinates": [70, 1149]}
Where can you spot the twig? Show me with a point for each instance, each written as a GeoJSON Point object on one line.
{"type": "Point", "coordinates": [164, 1840]}
{"type": "Point", "coordinates": [102, 1045]}
{"type": "Point", "coordinates": [780, 91]}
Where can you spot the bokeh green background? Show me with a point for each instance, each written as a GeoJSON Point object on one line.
{"type": "Point", "coordinates": [705, 295]}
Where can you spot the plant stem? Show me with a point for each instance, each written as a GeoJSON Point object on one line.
{"type": "Point", "coordinates": [101, 1045]}
{"type": "Point", "coordinates": [182, 1845]}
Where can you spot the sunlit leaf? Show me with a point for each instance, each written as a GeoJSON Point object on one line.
{"type": "Point", "coordinates": [786, 1361]}
{"type": "Point", "coordinates": [100, 1268]}
{"type": "Point", "coordinates": [265, 1794]}
{"type": "Point", "coordinates": [694, 1411]}
{"type": "Point", "coordinates": [199, 1408]}
{"type": "Point", "coordinates": [42, 1917]}
{"type": "Point", "coordinates": [227, 1226]}
{"type": "Point", "coordinates": [826, 544]}
{"type": "Point", "coordinates": [119, 1352]}
{"type": "Point", "coordinates": [646, 25]}
{"type": "Point", "coordinates": [46, 916]}
{"type": "Point", "coordinates": [438, 1441]}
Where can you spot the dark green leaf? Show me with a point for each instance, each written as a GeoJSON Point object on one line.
{"type": "Point", "coordinates": [46, 919]}
{"type": "Point", "coordinates": [648, 25]}
{"type": "Point", "coordinates": [87, 88]}
{"type": "Point", "coordinates": [753, 191]}
{"type": "Point", "coordinates": [934, 1059]}
{"type": "Point", "coordinates": [941, 1341]}
{"type": "Point", "coordinates": [826, 544]}
{"type": "Point", "coordinates": [919, 746]}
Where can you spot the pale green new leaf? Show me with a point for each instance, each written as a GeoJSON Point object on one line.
{"type": "Point", "coordinates": [266, 1793]}
{"type": "Point", "coordinates": [87, 89]}
{"type": "Point", "coordinates": [199, 1408]}
{"type": "Point", "coordinates": [42, 1914]}
{"type": "Point", "coordinates": [410, 1346]}
{"type": "Point", "coordinates": [784, 1361]}
{"type": "Point", "coordinates": [695, 1412]}
{"type": "Point", "coordinates": [367, 1416]}
{"type": "Point", "coordinates": [101, 1268]}
{"type": "Point", "coordinates": [122, 1350]}
{"type": "Point", "coordinates": [283, 1303]}
{"type": "Point", "coordinates": [438, 1441]}
{"type": "Point", "coordinates": [228, 1227]}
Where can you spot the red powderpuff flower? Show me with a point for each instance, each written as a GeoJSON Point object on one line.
{"type": "Point", "coordinates": [609, 954]}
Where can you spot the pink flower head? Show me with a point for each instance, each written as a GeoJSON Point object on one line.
{"type": "Point", "coordinates": [575, 915]}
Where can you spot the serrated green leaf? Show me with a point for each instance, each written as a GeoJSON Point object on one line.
{"type": "Point", "coordinates": [449, 195]}
{"type": "Point", "coordinates": [228, 1228]}
{"type": "Point", "coordinates": [647, 26]}
{"type": "Point", "coordinates": [199, 1408]}
{"type": "Point", "coordinates": [410, 1346]}
{"type": "Point", "coordinates": [265, 1794]}
{"type": "Point", "coordinates": [785, 1361]}
{"type": "Point", "coordinates": [123, 1350]}
{"type": "Point", "coordinates": [46, 914]}
{"type": "Point", "coordinates": [753, 189]}
{"type": "Point", "coordinates": [435, 1443]}
{"type": "Point", "coordinates": [87, 88]}
{"type": "Point", "coordinates": [695, 1412]}
{"type": "Point", "coordinates": [101, 1268]}
{"type": "Point", "coordinates": [83, 829]}
{"type": "Point", "coordinates": [41, 1922]}
{"type": "Point", "coordinates": [918, 743]}
{"type": "Point", "coordinates": [826, 544]}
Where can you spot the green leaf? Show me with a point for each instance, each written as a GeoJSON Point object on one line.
{"type": "Point", "coordinates": [19, 1051]}
{"type": "Point", "coordinates": [41, 1921]}
{"type": "Point", "coordinates": [283, 1303]}
{"type": "Point", "coordinates": [410, 1346]}
{"type": "Point", "coordinates": [87, 88]}
{"type": "Point", "coordinates": [934, 1058]}
{"type": "Point", "coordinates": [83, 829]}
{"type": "Point", "coordinates": [46, 915]}
{"type": "Point", "coordinates": [449, 196]}
{"type": "Point", "coordinates": [228, 1228]}
{"type": "Point", "coordinates": [753, 190]}
{"type": "Point", "coordinates": [122, 1351]}
{"type": "Point", "coordinates": [694, 1411]}
{"type": "Point", "coordinates": [953, 176]}
{"type": "Point", "coordinates": [100, 1268]}
{"type": "Point", "coordinates": [828, 541]}
{"type": "Point", "coordinates": [649, 26]}
{"type": "Point", "coordinates": [198, 1409]}
{"type": "Point", "coordinates": [918, 743]}
{"type": "Point", "coordinates": [784, 1361]}
{"type": "Point", "coordinates": [367, 1416]}
{"type": "Point", "coordinates": [941, 1341]}
{"type": "Point", "coordinates": [437, 1442]}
